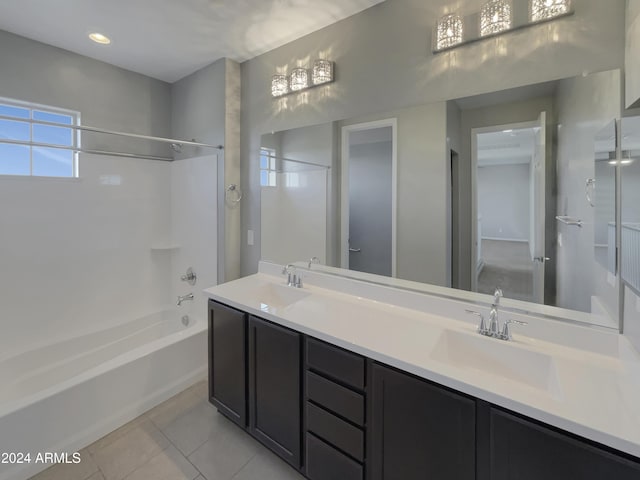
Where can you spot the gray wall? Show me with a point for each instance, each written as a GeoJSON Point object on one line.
{"type": "Point", "coordinates": [206, 107]}
{"type": "Point", "coordinates": [503, 201]}
{"type": "Point", "coordinates": [384, 62]}
{"type": "Point", "coordinates": [108, 97]}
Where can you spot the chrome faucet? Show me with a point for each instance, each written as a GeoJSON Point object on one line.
{"type": "Point", "coordinates": [183, 298]}
{"type": "Point", "coordinates": [293, 279]}
{"type": "Point", "coordinates": [494, 330]}
{"type": "Point", "coordinates": [313, 260]}
{"type": "Point", "coordinates": [494, 322]}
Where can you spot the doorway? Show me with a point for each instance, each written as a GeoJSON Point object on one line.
{"type": "Point", "coordinates": [368, 197]}
{"type": "Point", "coordinates": [509, 211]}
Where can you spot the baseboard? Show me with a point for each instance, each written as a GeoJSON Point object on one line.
{"type": "Point", "coordinates": [517, 240]}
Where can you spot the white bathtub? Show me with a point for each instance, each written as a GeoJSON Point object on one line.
{"type": "Point", "coordinates": [63, 396]}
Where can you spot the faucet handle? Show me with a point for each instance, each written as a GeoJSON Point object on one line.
{"type": "Point", "coordinates": [497, 295]}
{"type": "Point", "coordinates": [482, 327]}
{"type": "Point", "coordinates": [506, 332]}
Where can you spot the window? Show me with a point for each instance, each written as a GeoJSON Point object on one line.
{"type": "Point", "coordinates": [267, 167]}
{"type": "Point", "coordinates": [35, 142]}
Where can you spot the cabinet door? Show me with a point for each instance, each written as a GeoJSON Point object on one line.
{"type": "Point", "coordinates": [227, 361]}
{"type": "Point", "coordinates": [523, 450]}
{"type": "Point", "coordinates": [275, 394]}
{"type": "Point", "coordinates": [418, 430]}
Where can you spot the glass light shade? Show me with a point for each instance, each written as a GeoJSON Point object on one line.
{"type": "Point", "coordinates": [495, 17]}
{"type": "Point", "coordinates": [449, 31]}
{"type": "Point", "coordinates": [279, 85]}
{"type": "Point", "coordinates": [546, 9]}
{"type": "Point", "coordinates": [299, 79]}
{"type": "Point", "coordinates": [322, 72]}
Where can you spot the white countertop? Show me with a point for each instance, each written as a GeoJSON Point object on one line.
{"type": "Point", "coordinates": [594, 391]}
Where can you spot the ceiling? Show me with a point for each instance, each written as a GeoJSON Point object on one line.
{"type": "Point", "coordinates": [169, 39]}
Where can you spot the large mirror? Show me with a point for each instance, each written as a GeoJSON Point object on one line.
{"type": "Point", "coordinates": [630, 166]}
{"type": "Point", "coordinates": [495, 190]}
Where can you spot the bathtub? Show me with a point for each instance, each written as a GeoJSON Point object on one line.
{"type": "Point", "coordinates": [62, 396]}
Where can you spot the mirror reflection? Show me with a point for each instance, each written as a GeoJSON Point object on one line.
{"type": "Point", "coordinates": [476, 193]}
{"type": "Point", "coordinates": [601, 195]}
{"type": "Point", "coordinates": [630, 237]}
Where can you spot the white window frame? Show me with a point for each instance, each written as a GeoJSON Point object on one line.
{"type": "Point", "coordinates": [271, 169]}
{"type": "Point", "coordinates": [75, 122]}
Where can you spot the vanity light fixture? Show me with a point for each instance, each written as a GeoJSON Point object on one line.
{"type": "Point", "coordinates": [449, 31]}
{"type": "Point", "coordinates": [299, 79]}
{"type": "Point", "coordinates": [100, 38]}
{"type": "Point", "coordinates": [495, 17]}
{"type": "Point", "coordinates": [322, 72]}
{"type": "Point", "coordinates": [279, 85]}
{"type": "Point", "coordinates": [541, 10]}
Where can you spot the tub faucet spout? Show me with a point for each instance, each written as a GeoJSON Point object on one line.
{"type": "Point", "coordinates": [182, 298]}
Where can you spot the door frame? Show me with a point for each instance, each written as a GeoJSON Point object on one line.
{"type": "Point", "coordinates": [474, 187]}
{"type": "Point", "coordinates": [344, 188]}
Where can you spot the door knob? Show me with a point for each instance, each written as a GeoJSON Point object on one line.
{"type": "Point", "coordinates": [541, 259]}
{"type": "Point", "coordinates": [355, 250]}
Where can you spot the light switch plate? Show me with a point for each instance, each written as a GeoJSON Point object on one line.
{"type": "Point", "coordinates": [250, 238]}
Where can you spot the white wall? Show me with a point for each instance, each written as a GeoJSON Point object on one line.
{"type": "Point", "coordinates": [585, 105]}
{"type": "Point", "coordinates": [384, 62]}
{"type": "Point", "coordinates": [76, 255]}
{"type": "Point", "coordinates": [503, 201]}
{"type": "Point", "coordinates": [194, 229]}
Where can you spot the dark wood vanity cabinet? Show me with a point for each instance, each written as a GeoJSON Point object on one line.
{"type": "Point", "coordinates": [335, 406]}
{"type": "Point", "coordinates": [336, 415]}
{"type": "Point", "coordinates": [275, 388]}
{"type": "Point", "coordinates": [419, 430]}
{"type": "Point", "coordinates": [227, 361]}
{"type": "Point", "coordinates": [255, 378]}
{"type": "Point", "coordinates": [520, 449]}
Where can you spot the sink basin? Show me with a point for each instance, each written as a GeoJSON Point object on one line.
{"type": "Point", "coordinates": [498, 358]}
{"type": "Point", "coordinates": [276, 296]}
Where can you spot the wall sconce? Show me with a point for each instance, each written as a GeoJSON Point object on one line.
{"type": "Point", "coordinates": [495, 17]}
{"type": "Point", "coordinates": [279, 85]}
{"type": "Point", "coordinates": [547, 9]}
{"type": "Point", "coordinates": [299, 79]}
{"type": "Point", "coordinates": [322, 72]}
{"type": "Point", "coordinates": [449, 31]}
{"type": "Point", "coordinates": [302, 78]}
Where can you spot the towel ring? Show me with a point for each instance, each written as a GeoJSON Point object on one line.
{"type": "Point", "coordinates": [233, 194]}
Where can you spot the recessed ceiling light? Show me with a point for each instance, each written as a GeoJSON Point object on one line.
{"type": "Point", "coordinates": [100, 38]}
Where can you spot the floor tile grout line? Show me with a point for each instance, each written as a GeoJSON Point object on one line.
{"type": "Point", "coordinates": [243, 466]}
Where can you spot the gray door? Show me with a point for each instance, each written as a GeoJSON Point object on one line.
{"type": "Point", "coordinates": [370, 203]}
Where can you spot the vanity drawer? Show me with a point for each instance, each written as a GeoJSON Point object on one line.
{"type": "Point", "coordinates": [336, 398]}
{"type": "Point", "coordinates": [326, 463]}
{"type": "Point", "coordinates": [335, 431]}
{"type": "Point", "coordinates": [336, 363]}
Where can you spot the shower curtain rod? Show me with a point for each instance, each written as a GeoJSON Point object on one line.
{"type": "Point", "coordinates": [86, 128]}
{"type": "Point", "coordinates": [319, 165]}
{"type": "Point", "coordinates": [90, 151]}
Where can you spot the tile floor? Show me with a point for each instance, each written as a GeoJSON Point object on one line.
{"type": "Point", "coordinates": [184, 438]}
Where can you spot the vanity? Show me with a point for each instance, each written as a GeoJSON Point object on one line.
{"type": "Point", "coordinates": [345, 379]}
